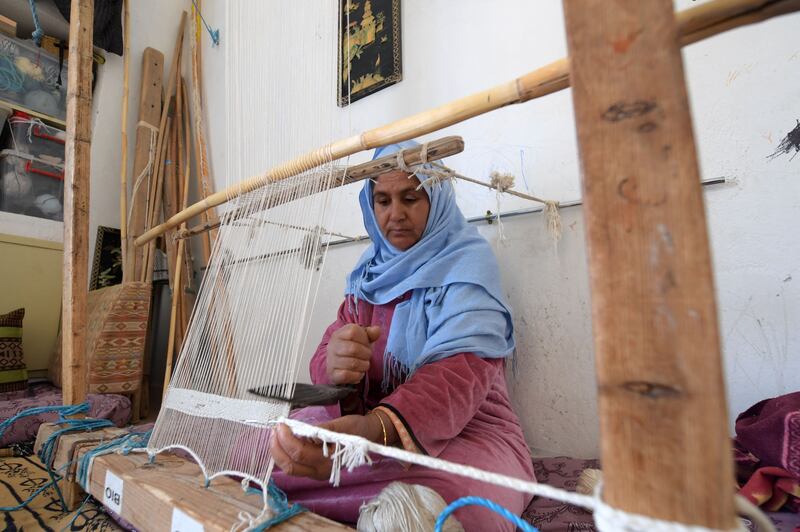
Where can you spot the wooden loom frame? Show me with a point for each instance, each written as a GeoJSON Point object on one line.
{"type": "Point", "coordinates": [647, 257]}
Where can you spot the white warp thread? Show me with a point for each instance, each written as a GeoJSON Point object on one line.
{"type": "Point", "coordinates": [208, 405]}
{"type": "Point", "coordinates": [352, 451]}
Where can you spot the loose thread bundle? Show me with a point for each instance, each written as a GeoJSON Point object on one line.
{"type": "Point", "coordinates": [47, 451]}
{"type": "Point", "coordinates": [279, 505]}
{"type": "Point", "coordinates": [503, 183]}
{"type": "Point", "coordinates": [500, 182]}
{"type": "Point", "coordinates": [64, 410]}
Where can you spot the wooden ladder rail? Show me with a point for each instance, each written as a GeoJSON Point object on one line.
{"type": "Point", "coordinates": [663, 418]}
{"type": "Point", "coordinates": [77, 166]}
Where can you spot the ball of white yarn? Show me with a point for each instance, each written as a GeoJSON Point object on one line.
{"type": "Point", "coordinates": [16, 185]}
{"type": "Point", "coordinates": [407, 507]}
{"type": "Point", "coordinates": [48, 204]}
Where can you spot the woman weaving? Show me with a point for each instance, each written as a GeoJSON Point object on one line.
{"type": "Point", "coordinates": [424, 331]}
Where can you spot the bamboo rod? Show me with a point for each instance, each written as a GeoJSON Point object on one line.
{"type": "Point", "coordinates": [177, 324]}
{"type": "Point", "coordinates": [693, 24]}
{"type": "Point", "coordinates": [123, 163]}
{"type": "Point", "coordinates": [437, 150]}
{"type": "Point", "coordinates": [714, 26]}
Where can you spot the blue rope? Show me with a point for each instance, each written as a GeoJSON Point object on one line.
{"type": "Point", "coordinates": [64, 410]}
{"type": "Point", "coordinates": [38, 33]}
{"type": "Point", "coordinates": [47, 451]}
{"type": "Point", "coordinates": [10, 78]}
{"type": "Point", "coordinates": [214, 33]}
{"type": "Point", "coordinates": [486, 503]}
{"type": "Point", "coordinates": [77, 514]}
{"type": "Point", "coordinates": [278, 503]}
{"type": "Point", "coordinates": [124, 445]}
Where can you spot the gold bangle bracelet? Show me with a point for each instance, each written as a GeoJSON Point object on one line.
{"type": "Point", "coordinates": [383, 427]}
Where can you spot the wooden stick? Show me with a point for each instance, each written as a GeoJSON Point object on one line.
{"type": "Point", "coordinates": [173, 315]}
{"type": "Point", "coordinates": [174, 73]}
{"type": "Point", "coordinates": [148, 115]}
{"type": "Point", "coordinates": [178, 324]}
{"type": "Point", "coordinates": [546, 80]}
{"type": "Point", "coordinates": [186, 301]}
{"type": "Point", "coordinates": [437, 149]}
{"type": "Point", "coordinates": [78, 151]}
{"type": "Point", "coordinates": [205, 187]}
{"type": "Point", "coordinates": [123, 163]}
{"type": "Point", "coordinates": [664, 424]}
{"type": "Point", "coordinates": [171, 198]}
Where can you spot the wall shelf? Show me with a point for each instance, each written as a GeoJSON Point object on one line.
{"type": "Point", "coordinates": [31, 227]}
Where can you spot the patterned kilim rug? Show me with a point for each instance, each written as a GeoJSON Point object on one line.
{"type": "Point", "coordinates": [19, 478]}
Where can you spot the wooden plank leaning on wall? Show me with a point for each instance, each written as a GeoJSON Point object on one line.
{"type": "Point", "coordinates": [76, 202]}
{"type": "Point", "coordinates": [148, 116]}
{"type": "Point", "coordinates": [664, 441]}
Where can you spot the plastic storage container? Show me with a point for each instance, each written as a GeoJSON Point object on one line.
{"type": "Point", "coordinates": [32, 78]}
{"type": "Point", "coordinates": [32, 136]}
{"type": "Point", "coordinates": [31, 186]}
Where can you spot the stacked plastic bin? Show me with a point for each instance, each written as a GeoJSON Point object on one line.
{"type": "Point", "coordinates": [32, 156]}
{"type": "Point", "coordinates": [32, 168]}
{"type": "Point", "coordinates": [32, 78]}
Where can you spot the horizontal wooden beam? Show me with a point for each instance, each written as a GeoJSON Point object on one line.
{"type": "Point", "coordinates": [152, 493]}
{"type": "Point", "coordinates": [436, 150]}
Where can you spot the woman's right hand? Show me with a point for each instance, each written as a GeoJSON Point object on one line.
{"type": "Point", "coordinates": [349, 353]}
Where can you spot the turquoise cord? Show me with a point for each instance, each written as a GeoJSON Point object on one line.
{"type": "Point", "coordinates": [486, 503]}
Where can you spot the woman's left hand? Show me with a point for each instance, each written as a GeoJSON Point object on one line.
{"type": "Point", "coordinates": [303, 458]}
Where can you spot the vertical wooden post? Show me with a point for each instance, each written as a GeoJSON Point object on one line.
{"type": "Point", "coordinates": [76, 201]}
{"type": "Point", "coordinates": [665, 446]}
{"type": "Point", "coordinates": [123, 162]}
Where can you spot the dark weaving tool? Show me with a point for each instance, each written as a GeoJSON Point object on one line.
{"type": "Point", "coordinates": [306, 394]}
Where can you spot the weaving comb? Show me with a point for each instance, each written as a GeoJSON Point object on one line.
{"type": "Point", "coordinates": [306, 394]}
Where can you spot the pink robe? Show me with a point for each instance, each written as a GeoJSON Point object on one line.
{"type": "Point", "coordinates": [456, 409]}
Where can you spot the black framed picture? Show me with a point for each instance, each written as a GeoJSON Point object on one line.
{"type": "Point", "coordinates": [107, 261]}
{"type": "Point", "coordinates": [369, 48]}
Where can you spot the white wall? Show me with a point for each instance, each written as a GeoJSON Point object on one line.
{"type": "Point", "coordinates": [154, 23]}
{"type": "Point", "coordinates": [744, 99]}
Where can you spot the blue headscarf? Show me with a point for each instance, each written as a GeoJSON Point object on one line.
{"type": "Point", "coordinates": [457, 303]}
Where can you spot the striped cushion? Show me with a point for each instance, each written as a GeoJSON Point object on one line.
{"type": "Point", "coordinates": [13, 374]}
